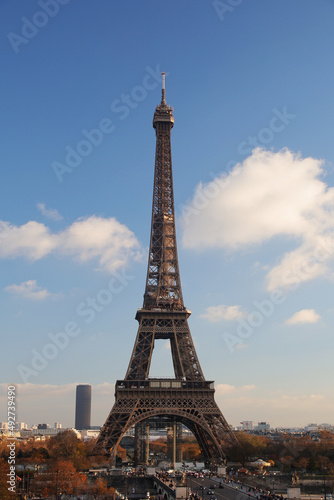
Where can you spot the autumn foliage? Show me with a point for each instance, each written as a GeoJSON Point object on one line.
{"type": "Point", "coordinates": [289, 452]}
{"type": "Point", "coordinates": [190, 448]}
{"type": "Point", "coordinates": [56, 464]}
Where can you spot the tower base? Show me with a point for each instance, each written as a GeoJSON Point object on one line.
{"type": "Point", "coordinates": [188, 402]}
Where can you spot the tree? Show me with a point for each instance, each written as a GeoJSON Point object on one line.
{"type": "Point", "coordinates": [96, 457]}
{"type": "Point", "coordinates": [67, 446]}
{"type": "Point", "coordinates": [100, 487]}
{"type": "Point", "coordinates": [61, 477]}
{"type": "Point", "coordinates": [249, 447]}
{"type": "Point", "coordinates": [301, 463]}
{"type": "Point", "coordinates": [190, 449]}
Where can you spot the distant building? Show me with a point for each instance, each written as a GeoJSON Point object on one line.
{"type": "Point", "coordinates": [26, 433]}
{"type": "Point", "coordinates": [311, 428]}
{"type": "Point", "coordinates": [3, 426]}
{"type": "Point", "coordinates": [21, 425]}
{"type": "Point", "coordinates": [263, 426]}
{"type": "Point", "coordinates": [57, 425]}
{"type": "Point", "coordinates": [83, 407]}
{"type": "Point", "coordinates": [43, 426]}
{"type": "Point", "coordinates": [326, 427]}
{"type": "Point", "coordinates": [247, 425]}
{"type": "Point", "coordinates": [87, 434]}
{"type": "Point", "coordinates": [45, 431]}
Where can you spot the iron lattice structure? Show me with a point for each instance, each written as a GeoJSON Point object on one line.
{"type": "Point", "coordinates": [188, 398]}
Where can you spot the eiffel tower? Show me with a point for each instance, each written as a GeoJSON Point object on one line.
{"type": "Point", "coordinates": [188, 398]}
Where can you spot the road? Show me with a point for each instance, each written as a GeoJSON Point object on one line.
{"type": "Point", "coordinates": [229, 492]}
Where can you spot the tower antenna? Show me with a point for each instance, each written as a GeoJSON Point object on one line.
{"type": "Point", "coordinates": [163, 96]}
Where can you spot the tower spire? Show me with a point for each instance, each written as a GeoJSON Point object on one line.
{"type": "Point", "coordinates": [163, 90]}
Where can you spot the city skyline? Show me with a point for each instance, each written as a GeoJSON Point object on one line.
{"type": "Point", "coordinates": [253, 179]}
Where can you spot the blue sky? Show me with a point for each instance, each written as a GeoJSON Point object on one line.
{"type": "Point", "coordinates": [251, 84]}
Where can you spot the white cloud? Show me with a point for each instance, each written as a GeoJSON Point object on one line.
{"type": "Point", "coordinates": [32, 240]}
{"type": "Point", "coordinates": [106, 240]}
{"type": "Point", "coordinates": [29, 290]}
{"type": "Point", "coordinates": [104, 389]}
{"type": "Point", "coordinates": [269, 194]}
{"type": "Point", "coordinates": [50, 213]}
{"type": "Point", "coordinates": [222, 312]}
{"type": "Point", "coordinates": [231, 389]}
{"type": "Point", "coordinates": [303, 316]}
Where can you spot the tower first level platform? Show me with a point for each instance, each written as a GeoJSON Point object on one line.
{"type": "Point", "coordinates": [191, 402]}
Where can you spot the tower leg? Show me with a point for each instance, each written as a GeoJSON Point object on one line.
{"type": "Point", "coordinates": [137, 445]}
{"type": "Point", "coordinates": [170, 442]}
{"type": "Point", "coordinates": [174, 441]}
{"type": "Point", "coordinates": [147, 442]}
{"type": "Point", "coordinates": [140, 443]}
{"type": "Point", "coordinates": [179, 442]}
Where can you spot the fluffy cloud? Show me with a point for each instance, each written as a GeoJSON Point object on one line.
{"type": "Point", "coordinates": [29, 290]}
{"type": "Point", "coordinates": [106, 240]}
{"type": "Point", "coordinates": [231, 389]}
{"type": "Point", "coordinates": [32, 240]}
{"type": "Point", "coordinates": [50, 213]}
{"type": "Point", "coordinates": [269, 194]}
{"type": "Point", "coordinates": [219, 313]}
{"type": "Point", "coordinates": [303, 316]}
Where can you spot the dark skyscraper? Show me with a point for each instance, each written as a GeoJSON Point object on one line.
{"type": "Point", "coordinates": [83, 406]}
